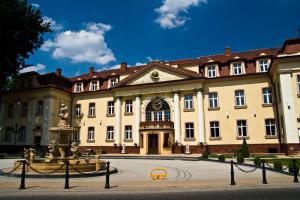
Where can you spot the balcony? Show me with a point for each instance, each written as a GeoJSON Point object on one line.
{"type": "Point", "coordinates": [155, 125]}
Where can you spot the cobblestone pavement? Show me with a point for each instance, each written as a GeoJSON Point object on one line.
{"type": "Point", "coordinates": [134, 174]}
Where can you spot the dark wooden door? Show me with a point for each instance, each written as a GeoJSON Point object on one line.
{"type": "Point", "coordinates": [153, 144]}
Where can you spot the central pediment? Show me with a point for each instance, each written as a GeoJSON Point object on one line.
{"type": "Point", "coordinates": [156, 72]}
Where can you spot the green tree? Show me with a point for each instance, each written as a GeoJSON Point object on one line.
{"type": "Point", "coordinates": [21, 31]}
{"type": "Point", "coordinates": [245, 149]}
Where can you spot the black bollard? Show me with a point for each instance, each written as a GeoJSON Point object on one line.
{"type": "Point", "coordinates": [264, 172]}
{"type": "Point", "coordinates": [22, 185]}
{"type": "Point", "coordinates": [232, 182]}
{"type": "Point", "coordinates": [67, 176]}
{"type": "Point", "coordinates": [295, 169]}
{"type": "Point", "coordinates": [107, 176]}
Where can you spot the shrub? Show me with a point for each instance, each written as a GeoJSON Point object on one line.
{"type": "Point", "coordinates": [205, 154]}
{"type": "Point", "coordinates": [221, 158]}
{"type": "Point", "coordinates": [291, 167]}
{"type": "Point", "coordinates": [245, 149]}
{"type": "Point", "coordinates": [278, 165]}
{"type": "Point", "coordinates": [240, 159]}
{"type": "Point", "coordinates": [257, 161]}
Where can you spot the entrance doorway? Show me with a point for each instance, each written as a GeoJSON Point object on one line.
{"type": "Point", "coordinates": [153, 144]}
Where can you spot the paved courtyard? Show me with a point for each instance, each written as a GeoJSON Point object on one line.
{"type": "Point", "coordinates": [134, 174]}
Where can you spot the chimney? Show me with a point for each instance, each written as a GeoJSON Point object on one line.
{"type": "Point", "coordinates": [123, 66]}
{"type": "Point", "coordinates": [91, 70]}
{"type": "Point", "coordinates": [227, 51]}
{"type": "Point", "coordinates": [58, 72]}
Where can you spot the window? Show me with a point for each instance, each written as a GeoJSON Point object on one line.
{"type": "Point", "coordinates": [94, 85]}
{"type": "Point", "coordinates": [298, 82]}
{"type": "Point", "coordinates": [7, 134]}
{"type": "Point", "coordinates": [39, 107]}
{"type": "Point", "coordinates": [239, 98]}
{"type": "Point", "coordinates": [91, 133]}
{"type": "Point", "coordinates": [128, 132]}
{"type": "Point", "coordinates": [92, 109]}
{"type": "Point", "coordinates": [211, 71]}
{"type": "Point", "coordinates": [188, 102]}
{"type": "Point", "coordinates": [270, 127]}
{"type": "Point", "coordinates": [167, 115]}
{"type": "Point", "coordinates": [242, 128]}
{"type": "Point", "coordinates": [158, 110]}
{"type": "Point", "coordinates": [157, 116]}
{"type": "Point", "coordinates": [237, 68]}
{"type": "Point", "coordinates": [22, 134]}
{"type": "Point", "coordinates": [148, 116]}
{"type": "Point", "coordinates": [110, 133]}
{"type": "Point", "coordinates": [110, 108]}
{"type": "Point", "coordinates": [128, 106]}
{"type": "Point", "coordinates": [214, 129]}
{"type": "Point", "coordinates": [267, 95]}
{"type": "Point", "coordinates": [10, 111]}
{"type": "Point", "coordinates": [24, 109]}
{"type": "Point", "coordinates": [213, 99]}
{"type": "Point", "coordinates": [76, 135]}
{"type": "Point", "coordinates": [189, 130]}
{"type": "Point", "coordinates": [263, 65]}
{"type": "Point", "coordinates": [113, 82]}
{"type": "Point", "coordinates": [77, 110]}
{"type": "Point", "coordinates": [78, 87]}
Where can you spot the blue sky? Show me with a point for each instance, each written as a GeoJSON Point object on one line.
{"type": "Point", "coordinates": [103, 33]}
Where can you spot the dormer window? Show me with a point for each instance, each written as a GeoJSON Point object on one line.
{"type": "Point", "coordinates": [263, 65]}
{"type": "Point", "coordinates": [211, 71]}
{"type": "Point", "coordinates": [237, 68]}
{"type": "Point", "coordinates": [94, 85]}
{"type": "Point", "coordinates": [113, 82]}
{"type": "Point", "coordinates": [78, 87]}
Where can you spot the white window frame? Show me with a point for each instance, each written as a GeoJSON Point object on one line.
{"type": "Point", "coordinates": [263, 65]}
{"type": "Point", "coordinates": [211, 71]}
{"type": "Point", "coordinates": [78, 87]}
{"type": "Point", "coordinates": [77, 110]}
{"type": "Point", "coordinates": [91, 133]}
{"type": "Point", "coordinates": [39, 107]}
{"type": "Point", "coordinates": [110, 133]}
{"type": "Point", "coordinates": [92, 109]}
{"type": "Point", "coordinates": [267, 95]}
{"type": "Point", "coordinates": [242, 128]}
{"type": "Point", "coordinates": [214, 126]}
{"type": "Point", "coordinates": [111, 107]}
{"type": "Point", "coordinates": [128, 106]}
{"type": "Point", "coordinates": [113, 82]}
{"type": "Point", "coordinates": [128, 132]}
{"type": "Point", "coordinates": [189, 130]}
{"type": "Point", "coordinates": [237, 68]}
{"type": "Point", "coordinates": [94, 85]}
{"type": "Point", "coordinates": [188, 101]}
{"type": "Point", "coordinates": [239, 98]}
{"type": "Point", "coordinates": [213, 101]}
{"type": "Point", "coordinates": [298, 83]}
{"type": "Point", "coordinates": [269, 124]}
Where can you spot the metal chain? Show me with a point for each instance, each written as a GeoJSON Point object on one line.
{"type": "Point", "coordinates": [269, 165]}
{"type": "Point", "coordinates": [250, 171]}
{"type": "Point", "coordinates": [81, 172]}
{"type": "Point", "coordinates": [45, 173]}
{"type": "Point", "coordinates": [14, 169]}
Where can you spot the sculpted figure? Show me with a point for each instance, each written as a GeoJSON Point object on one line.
{"type": "Point", "coordinates": [63, 116]}
{"type": "Point", "coordinates": [74, 149]}
{"type": "Point", "coordinates": [52, 147]}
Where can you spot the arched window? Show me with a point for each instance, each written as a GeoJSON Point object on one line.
{"type": "Point", "coordinates": [158, 110]}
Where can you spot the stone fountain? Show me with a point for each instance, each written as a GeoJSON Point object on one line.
{"type": "Point", "coordinates": [60, 150]}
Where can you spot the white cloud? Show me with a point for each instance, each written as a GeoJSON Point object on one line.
{"type": "Point", "coordinates": [169, 12]}
{"type": "Point", "coordinates": [139, 63]}
{"type": "Point", "coordinates": [77, 73]}
{"type": "Point", "coordinates": [54, 25]}
{"type": "Point", "coordinates": [37, 68]}
{"type": "Point", "coordinates": [35, 5]}
{"type": "Point", "coordinates": [87, 45]}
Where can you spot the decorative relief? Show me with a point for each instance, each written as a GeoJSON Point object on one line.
{"type": "Point", "coordinates": [156, 75]}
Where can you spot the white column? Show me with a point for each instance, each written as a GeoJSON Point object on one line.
{"type": "Point", "coordinates": [136, 136]}
{"type": "Point", "coordinates": [177, 117]}
{"type": "Point", "coordinates": [118, 121]}
{"type": "Point", "coordinates": [200, 112]}
{"type": "Point", "coordinates": [288, 109]}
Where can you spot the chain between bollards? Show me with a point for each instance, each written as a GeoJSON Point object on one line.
{"type": "Point", "coordinates": [232, 182]}
{"type": "Point", "coordinates": [67, 176]}
{"type": "Point", "coordinates": [264, 181]}
{"type": "Point", "coordinates": [295, 170]}
{"type": "Point", "coordinates": [107, 176]}
{"type": "Point", "coordinates": [22, 185]}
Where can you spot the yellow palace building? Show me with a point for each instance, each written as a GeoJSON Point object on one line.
{"type": "Point", "coordinates": [211, 102]}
